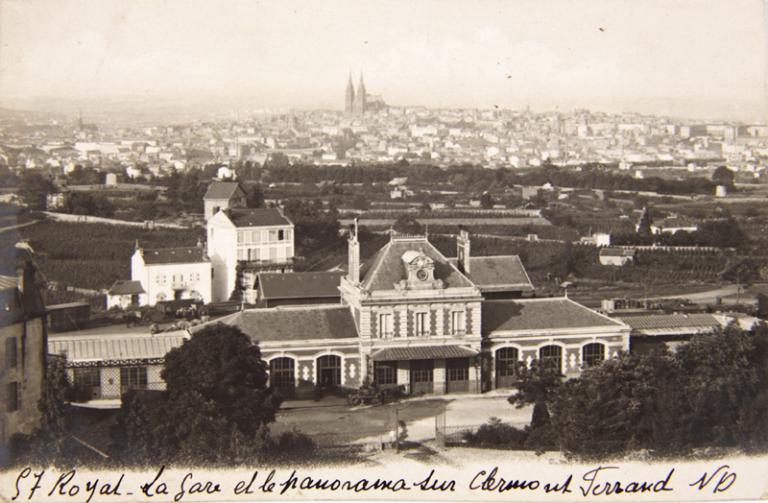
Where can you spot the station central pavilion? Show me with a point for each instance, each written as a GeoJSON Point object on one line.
{"type": "Point", "coordinates": [414, 318]}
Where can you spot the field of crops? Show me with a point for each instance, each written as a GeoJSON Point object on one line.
{"type": "Point", "coordinates": [90, 255]}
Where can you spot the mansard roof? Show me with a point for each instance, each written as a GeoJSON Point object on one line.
{"type": "Point", "coordinates": [540, 314]}
{"type": "Point", "coordinates": [222, 190]}
{"type": "Point", "coordinates": [293, 323]}
{"type": "Point", "coordinates": [256, 217]}
{"type": "Point", "coordinates": [387, 267]}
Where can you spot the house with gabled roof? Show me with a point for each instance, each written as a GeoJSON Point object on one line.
{"type": "Point", "coordinates": [124, 294]}
{"type": "Point", "coordinates": [170, 274]}
{"type": "Point", "coordinates": [221, 196]}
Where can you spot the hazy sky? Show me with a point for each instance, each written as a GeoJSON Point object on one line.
{"type": "Point", "coordinates": [693, 57]}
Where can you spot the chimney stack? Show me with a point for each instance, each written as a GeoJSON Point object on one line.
{"type": "Point", "coordinates": [353, 255]}
{"type": "Point", "coordinates": [462, 250]}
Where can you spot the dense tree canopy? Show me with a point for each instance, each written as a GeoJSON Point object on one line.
{"type": "Point", "coordinates": [34, 188]}
{"type": "Point", "coordinates": [712, 392]}
{"type": "Point", "coordinates": [216, 405]}
{"type": "Point", "coordinates": [723, 176]}
{"type": "Point", "coordinates": [407, 224]}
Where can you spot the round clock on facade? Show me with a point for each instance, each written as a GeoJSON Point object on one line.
{"type": "Point", "coordinates": [422, 275]}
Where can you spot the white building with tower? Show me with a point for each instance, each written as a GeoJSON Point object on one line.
{"type": "Point", "coordinates": [222, 196]}
{"type": "Point", "coordinates": [256, 240]}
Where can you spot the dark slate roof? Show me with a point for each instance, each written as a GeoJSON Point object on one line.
{"type": "Point", "coordinates": [128, 347]}
{"type": "Point", "coordinates": [256, 217]}
{"type": "Point", "coordinates": [293, 285]}
{"type": "Point", "coordinates": [422, 353]}
{"type": "Point", "coordinates": [183, 255]}
{"type": "Point", "coordinates": [616, 252]}
{"type": "Point", "coordinates": [386, 268]}
{"type": "Point", "coordinates": [540, 314]}
{"type": "Point", "coordinates": [294, 324]}
{"type": "Point", "coordinates": [126, 287]}
{"type": "Point", "coordinates": [671, 321]}
{"type": "Point", "coordinates": [222, 190]}
{"type": "Point", "coordinates": [495, 272]}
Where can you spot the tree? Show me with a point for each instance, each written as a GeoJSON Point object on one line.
{"type": "Point", "coordinates": [617, 406]}
{"type": "Point", "coordinates": [222, 364]}
{"type": "Point", "coordinates": [743, 272]}
{"type": "Point", "coordinates": [254, 196]}
{"type": "Point", "coordinates": [84, 203]}
{"type": "Point", "coordinates": [407, 224]}
{"type": "Point", "coordinates": [710, 393]}
{"type": "Point", "coordinates": [537, 385]}
{"type": "Point", "coordinates": [34, 188]}
{"type": "Point", "coordinates": [644, 226]}
{"type": "Point", "coordinates": [216, 406]}
{"type": "Point", "coordinates": [486, 200]}
{"type": "Point", "coordinates": [723, 176]}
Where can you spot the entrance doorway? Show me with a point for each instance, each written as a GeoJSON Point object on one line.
{"type": "Point", "coordinates": [422, 376]}
{"type": "Point", "coordinates": [457, 375]}
{"type": "Point", "coordinates": [506, 367]}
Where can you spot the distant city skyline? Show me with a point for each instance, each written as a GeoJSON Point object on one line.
{"type": "Point", "coordinates": [701, 59]}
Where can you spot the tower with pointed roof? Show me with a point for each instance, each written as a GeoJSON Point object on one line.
{"type": "Point", "coordinates": [349, 96]}
{"type": "Point", "coordinates": [359, 103]}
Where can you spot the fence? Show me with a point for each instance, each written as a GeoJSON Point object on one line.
{"type": "Point", "coordinates": [447, 436]}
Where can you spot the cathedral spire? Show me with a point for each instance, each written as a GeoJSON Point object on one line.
{"type": "Point", "coordinates": [349, 96]}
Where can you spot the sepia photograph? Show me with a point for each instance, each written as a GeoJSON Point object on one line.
{"type": "Point", "coordinates": [455, 250]}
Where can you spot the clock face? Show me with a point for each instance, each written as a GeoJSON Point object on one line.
{"type": "Point", "coordinates": [422, 275]}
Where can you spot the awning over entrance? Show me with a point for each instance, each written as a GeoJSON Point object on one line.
{"type": "Point", "coordinates": [422, 353]}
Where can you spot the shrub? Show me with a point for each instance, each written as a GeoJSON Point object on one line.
{"type": "Point", "coordinates": [498, 435]}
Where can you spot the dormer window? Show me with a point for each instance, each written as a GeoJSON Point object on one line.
{"type": "Point", "coordinates": [420, 272]}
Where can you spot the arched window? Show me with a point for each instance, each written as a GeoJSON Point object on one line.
{"type": "Point", "coordinates": [552, 357]}
{"type": "Point", "coordinates": [507, 360]}
{"type": "Point", "coordinates": [329, 371]}
{"type": "Point", "coordinates": [592, 354]}
{"type": "Point", "coordinates": [282, 373]}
